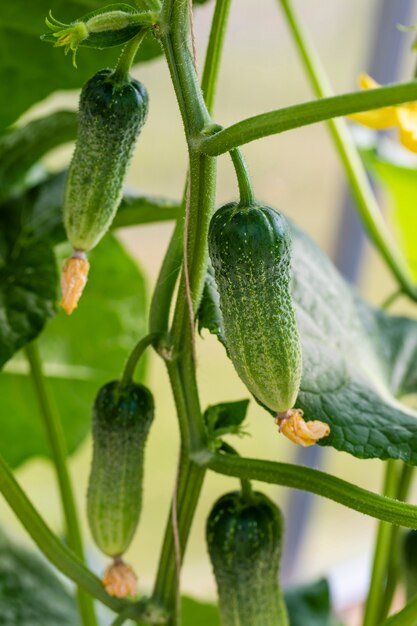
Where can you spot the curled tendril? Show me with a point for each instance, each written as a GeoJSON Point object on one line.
{"type": "Point", "coordinates": [68, 35]}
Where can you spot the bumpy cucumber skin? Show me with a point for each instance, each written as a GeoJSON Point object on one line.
{"type": "Point", "coordinates": [250, 250]}
{"type": "Point", "coordinates": [111, 115]}
{"type": "Point", "coordinates": [244, 543]}
{"type": "Point", "coordinates": [121, 422]}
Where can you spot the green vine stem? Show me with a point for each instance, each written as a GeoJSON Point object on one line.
{"type": "Point", "coordinates": [57, 446]}
{"type": "Point", "coordinates": [247, 196]}
{"type": "Point", "coordinates": [375, 596]}
{"type": "Point", "coordinates": [365, 199]}
{"type": "Point", "coordinates": [394, 566]}
{"type": "Point", "coordinates": [320, 483]}
{"type": "Point", "coordinates": [405, 617]}
{"type": "Point", "coordinates": [214, 52]}
{"type": "Point", "coordinates": [393, 297]}
{"type": "Point", "coordinates": [167, 279]}
{"type": "Point", "coordinates": [200, 204]}
{"type": "Point", "coordinates": [55, 551]}
{"type": "Point", "coordinates": [298, 115]}
{"type": "Point", "coordinates": [134, 357]}
{"type": "Point", "coordinates": [191, 479]}
{"type": "Point", "coordinates": [125, 61]}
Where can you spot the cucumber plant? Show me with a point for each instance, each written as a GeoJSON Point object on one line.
{"type": "Point", "coordinates": [320, 362]}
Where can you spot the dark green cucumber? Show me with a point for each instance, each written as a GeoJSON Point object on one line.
{"type": "Point", "coordinates": [409, 549]}
{"type": "Point", "coordinates": [121, 422]}
{"type": "Point", "coordinates": [111, 115]}
{"type": "Point", "coordinates": [244, 535]}
{"type": "Point", "coordinates": [250, 250]}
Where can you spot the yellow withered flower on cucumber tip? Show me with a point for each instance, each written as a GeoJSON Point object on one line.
{"type": "Point", "coordinates": [403, 116]}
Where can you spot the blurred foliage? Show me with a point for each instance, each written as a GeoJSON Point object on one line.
{"type": "Point", "coordinates": [80, 353]}
{"type": "Point", "coordinates": [400, 183]}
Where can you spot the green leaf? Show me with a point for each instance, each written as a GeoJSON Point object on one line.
{"type": "Point", "coordinates": [195, 613]}
{"type": "Point", "coordinates": [226, 417]}
{"type": "Point", "coordinates": [209, 313]}
{"type": "Point", "coordinates": [309, 605]}
{"type": "Point", "coordinates": [357, 361]}
{"type": "Point", "coordinates": [23, 146]}
{"type": "Point", "coordinates": [30, 593]}
{"type": "Point", "coordinates": [401, 184]}
{"type": "Point", "coordinates": [28, 279]}
{"type": "Point", "coordinates": [81, 352]}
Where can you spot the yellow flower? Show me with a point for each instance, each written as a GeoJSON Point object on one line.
{"type": "Point", "coordinates": [403, 116]}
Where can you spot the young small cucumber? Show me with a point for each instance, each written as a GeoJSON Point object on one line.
{"type": "Point", "coordinates": [250, 250]}
{"type": "Point", "coordinates": [111, 114]}
{"type": "Point", "coordinates": [244, 535]}
{"type": "Point", "coordinates": [121, 421]}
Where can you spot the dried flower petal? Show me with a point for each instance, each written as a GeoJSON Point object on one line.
{"type": "Point", "coordinates": [294, 427]}
{"type": "Point", "coordinates": [73, 280]}
{"type": "Point", "coordinates": [120, 580]}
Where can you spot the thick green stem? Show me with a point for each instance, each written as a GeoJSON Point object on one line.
{"type": "Point", "coordinates": [201, 204]}
{"type": "Point", "coordinates": [199, 207]}
{"type": "Point", "coordinates": [175, 33]}
{"type": "Point", "coordinates": [320, 483]}
{"type": "Point", "coordinates": [162, 296]}
{"type": "Point", "coordinates": [298, 115]}
{"type": "Point", "coordinates": [365, 198]}
{"type": "Point", "coordinates": [375, 596]}
{"type": "Point", "coordinates": [394, 565]}
{"type": "Point", "coordinates": [57, 446]}
{"type": "Point", "coordinates": [190, 482]}
{"type": "Point", "coordinates": [55, 551]}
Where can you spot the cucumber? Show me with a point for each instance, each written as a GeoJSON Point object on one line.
{"type": "Point", "coordinates": [244, 536]}
{"type": "Point", "coordinates": [409, 562]}
{"type": "Point", "coordinates": [111, 114]}
{"type": "Point", "coordinates": [121, 421]}
{"type": "Point", "coordinates": [250, 250]}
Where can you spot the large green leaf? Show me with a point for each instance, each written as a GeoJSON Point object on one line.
{"type": "Point", "coordinates": [400, 182]}
{"type": "Point", "coordinates": [357, 361]}
{"type": "Point", "coordinates": [30, 593]}
{"type": "Point", "coordinates": [80, 352]}
{"type": "Point", "coordinates": [28, 280]}
{"type": "Point", "coordinates": [31, 69]}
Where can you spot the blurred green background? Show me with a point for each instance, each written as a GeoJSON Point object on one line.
{"type": "Point", "coordinates": [297, 172]}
